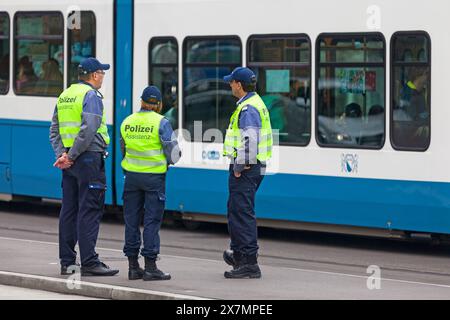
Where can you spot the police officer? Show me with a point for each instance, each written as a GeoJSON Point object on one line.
{"type": "Point", "coordinates": [248, 143]}
{"type": "Point", "coordinates": [79, 138]}
{"type": "Point", "coordinates": [149, 146]}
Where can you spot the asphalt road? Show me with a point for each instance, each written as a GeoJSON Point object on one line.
{"type": "Point", "coordinates": [295, 265]}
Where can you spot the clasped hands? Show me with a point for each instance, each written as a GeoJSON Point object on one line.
{"type": "Point", "coordinates": [63, 162]}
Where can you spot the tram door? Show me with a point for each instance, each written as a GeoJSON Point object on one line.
{"type": "Point", "coordinates": [5, 160]}
{"type": "Point", "coordinates": [123, 88]}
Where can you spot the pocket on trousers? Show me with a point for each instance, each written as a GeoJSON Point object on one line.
{"type": "Point", "coordinates": [161, 205]}
{"type": "Point", "coordinates": [96, 195]}
{"type": "Point", "coordinates": [161, 197]}
{"type": "Point", "coordinates": [252, 176]}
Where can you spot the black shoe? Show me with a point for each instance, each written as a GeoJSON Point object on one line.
{"type": "Point", "coordinates": [100, 269]}
{"type": "Point", "coordinates": [70, 269]}
{"type": "Point", "coordinates": [244, 271]}
{"type": "Point", "coordinates": [155, 275]}
{"type": "Point", "coordinates": [228, 257]}
{"type": "Point", "coordinates": [152, 272]}
{"type": "Point", "coordinates": [135, 272]}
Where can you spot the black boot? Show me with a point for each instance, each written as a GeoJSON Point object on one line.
{"type": "Point", "coordinates": [232, 258]}
{"type": "Point", "coordinates": [246, 267]}
{"type": "Point", "coordinates": [152, 272]}
{"type": "Point", "coordinates": [135, 272]}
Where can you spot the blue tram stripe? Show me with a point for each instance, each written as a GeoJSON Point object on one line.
{"type": "Point", "coordinates": [376, 203]}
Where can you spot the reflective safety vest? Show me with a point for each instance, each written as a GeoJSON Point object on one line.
{"type": "Point", "coordinates": [70, 108]}
{"type": "Point", "coordinates": [233, 140]}
{"type": "Point", "coordinates": [143, 149]}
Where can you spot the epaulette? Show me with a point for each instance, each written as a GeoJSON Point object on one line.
{"type": "Point", "coordinates": [99, 94]}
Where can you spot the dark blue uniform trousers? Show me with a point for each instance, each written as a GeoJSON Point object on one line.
{"type": "Point", "coordinates": [241, 209]}
{"type": "Point", "coordinates": [143, 192]}
{"type": "Point", "coordinates": [84, 186]}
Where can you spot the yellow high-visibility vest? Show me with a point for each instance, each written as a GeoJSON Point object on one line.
{"type": "Point", "coordinates": [143, 149]}
{"type": "Point", "coordinates": [70, 109]}
{"type": "Point", "coordinates": [233, 139]}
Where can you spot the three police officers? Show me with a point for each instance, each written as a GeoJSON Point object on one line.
{"type": "Point", "coordinates": [248, 143]}
{"type": "Point", "coordinates": [79, 138]}
{"type": "Point", "coordinates": [149, 146]}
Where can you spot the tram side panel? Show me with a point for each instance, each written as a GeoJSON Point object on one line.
{"type": "Point", "coordinates": [26, 156]}
{"type": "Point", "coordinates": [393, 189]}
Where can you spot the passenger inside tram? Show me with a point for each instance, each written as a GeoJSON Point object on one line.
{"type": "Point", "coordinates": [351, 124]}
{"type": "Point", "coordinates": [413, 97]}
{"type": "Point", "coordinates": [411, 114]}
{"type": "Point", "coordinates": [51, 79]}
{"type": "Point", "coordinates": [26, 78]}
{"type": "Point", "coordinates": [289, 112]}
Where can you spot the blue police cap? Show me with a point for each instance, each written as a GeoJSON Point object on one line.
{"type": "Point", "coordinates": [241, 74]}
{"type": "Point", "coordinates": [90, 65]}
{"type": "Point", "coordinates": [151, 94]}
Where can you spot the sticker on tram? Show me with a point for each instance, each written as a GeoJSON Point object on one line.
{"type": "Point", "coordinates": [211, 155]}
{"type": "Point", "coordinates": [349, 163]}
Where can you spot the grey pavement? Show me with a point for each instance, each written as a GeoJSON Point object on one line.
{"type": "Point", "coordinates": [296, 266]}
{"type": "Point", "coordinates": [16, 293]}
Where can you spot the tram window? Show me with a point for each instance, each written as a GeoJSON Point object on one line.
{"type": "Point", "coordinates": [207, 98]}
{"type": "Point", "coordinates": [4, 53]}
{"type": "Point", "coordinates": [39, 53]}
{"type": "Point", "coordinates": [81, 27]}
{"type": "Point", "coordinates": [411, 91]}
{"type": "Point", "coordinates": [163, 73]}
{"type": "Point", "coordinates": [282, 64]}
{"type": "Point", "coordinates": [351, 90]}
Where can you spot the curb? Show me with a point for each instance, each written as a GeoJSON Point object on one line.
{"type": "Point", "coordinates": [88, 289]}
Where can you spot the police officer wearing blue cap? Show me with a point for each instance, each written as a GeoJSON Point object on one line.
{"type": "Point", "coordinates": [149, 146]}
{"type": "Point", "coordinates": [79, 138]}
{"type": "Point", "coordinates": [248, 143]}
